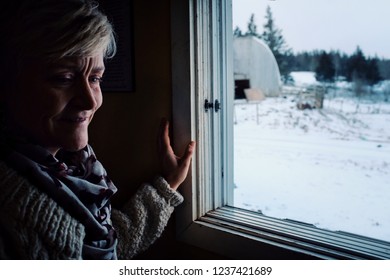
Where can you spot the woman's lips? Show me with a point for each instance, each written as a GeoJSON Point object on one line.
{"type": "Point", "coordinates": [74, 120]}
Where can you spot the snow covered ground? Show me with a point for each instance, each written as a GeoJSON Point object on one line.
{"type": "Point", "coordinates": [328, 167]}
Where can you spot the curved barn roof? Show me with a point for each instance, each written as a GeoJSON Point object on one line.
{"type": "Point", "coordinates": [254, 60]}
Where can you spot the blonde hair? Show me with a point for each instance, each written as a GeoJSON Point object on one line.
{"type": "Point", "coordinates": [54, 29]}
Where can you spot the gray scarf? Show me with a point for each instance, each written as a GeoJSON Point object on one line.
{"type": "Point", "coordinates": [78, 182]}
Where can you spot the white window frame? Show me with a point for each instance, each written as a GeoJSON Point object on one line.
{"type": "Point", "coordinates": [202, 69]}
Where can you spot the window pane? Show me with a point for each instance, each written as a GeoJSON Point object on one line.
{"type": "Point", "coordinates": [312, 112]}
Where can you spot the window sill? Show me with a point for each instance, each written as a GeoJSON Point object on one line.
{"type": "Point", "coordinates": [243, 234]}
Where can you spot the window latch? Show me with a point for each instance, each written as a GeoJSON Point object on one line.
{"type": "Point", "coordinates": [217, 105]}
{"type": "Point", "coordinates": [210, 105]}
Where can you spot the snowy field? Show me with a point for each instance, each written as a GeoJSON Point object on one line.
{"type": "Point", "coordinates": [329, 167]}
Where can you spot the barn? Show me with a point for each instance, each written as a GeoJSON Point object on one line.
{"type": "Point", "coordinates": [255, 67]}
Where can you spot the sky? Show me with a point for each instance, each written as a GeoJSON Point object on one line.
{"type": "Point", "coordinates": [324, 24]}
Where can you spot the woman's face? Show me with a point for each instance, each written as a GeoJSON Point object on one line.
{"type": "Point", "coordinates": [54, 103]}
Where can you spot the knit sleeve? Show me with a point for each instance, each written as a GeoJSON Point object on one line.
{"type": "Point", "coordinates": [143, 219]}
{"type": "Point", "coordinates": [32, 225]}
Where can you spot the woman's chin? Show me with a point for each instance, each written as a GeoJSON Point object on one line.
{"type": "Point", "coordinates": [73, 145]}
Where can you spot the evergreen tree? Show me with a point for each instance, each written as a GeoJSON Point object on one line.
{"type": "Point", "coordinates": [325, 70]}
{"type": "Point", "coordinates": [340, 61]}
{"type": "Point", "coordinates": [361, 69]}
{"type": "Point", "coordinates": [252, 27]}
{"type": "Point", "coordinates": [356, 66]}
{"type": "Point", "coordinates": [237, 32]}
{"type": "Point", "coordinates": [303, 61]}
{"type": "Point", "coordinates": [372, 71]}
{"type": "Point", "coordinates": [273, 37]}
{"type": "Point", "coordinates": [384, 68]}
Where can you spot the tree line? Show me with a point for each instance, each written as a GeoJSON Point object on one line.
{"type": "Point", "coordinates": [328, 66]}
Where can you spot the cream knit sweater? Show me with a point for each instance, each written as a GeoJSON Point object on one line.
{"type": "Point", "coordinates": [33, 226]}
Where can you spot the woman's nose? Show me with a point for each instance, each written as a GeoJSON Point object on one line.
{"type": "Point", "coordinates": [86, 97]}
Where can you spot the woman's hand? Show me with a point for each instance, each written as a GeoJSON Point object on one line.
{"type": "Point", "coordinates": [174, 168]}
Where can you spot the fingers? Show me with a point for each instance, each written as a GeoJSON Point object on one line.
{"type": "Point", "coordinates": [167, 141]}
{"type": "Point", "coordinates": [174, 168]}
{"type": "Point", "coordinates": [185, 160]}
{"type": "Point", "coordinates": [164, 142]}
{"type": "Point", "coordinates": [189, 151]}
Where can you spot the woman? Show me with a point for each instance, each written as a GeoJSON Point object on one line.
{"type": "Point", "coordinates": [54, 193]}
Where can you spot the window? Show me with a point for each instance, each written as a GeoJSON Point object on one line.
{"type": "Point", "coordinates": [205, 110]}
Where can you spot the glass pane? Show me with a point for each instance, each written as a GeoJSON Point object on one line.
{"type": "Point", "coordinates": [312, 112]}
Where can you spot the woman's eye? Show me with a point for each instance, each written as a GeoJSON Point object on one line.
{"type": "Point", "coordinates": [62, 79]}
{"type": "Point", "coordinates": [96, 79]}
